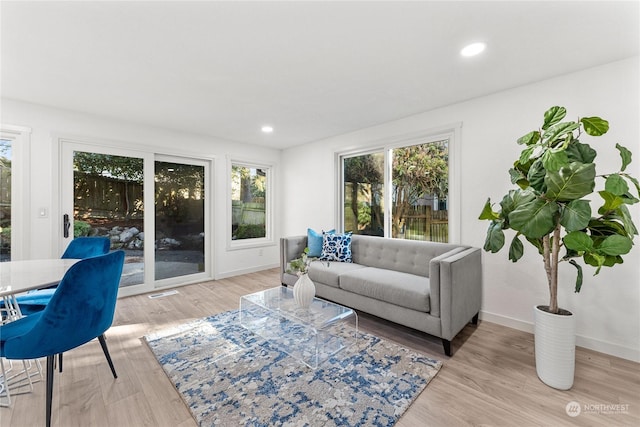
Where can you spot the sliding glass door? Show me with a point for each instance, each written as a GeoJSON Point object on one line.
{"type": "Point", "coordinates": [179, 219]}
{"type": "Point", "coordinates": [151, 206]}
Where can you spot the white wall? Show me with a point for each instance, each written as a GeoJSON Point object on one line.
{"type": "Point", "coordinates": [48, 124]}
{"type": "Point", "coordinates": [608, 308]}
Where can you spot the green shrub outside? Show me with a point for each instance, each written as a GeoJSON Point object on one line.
{"type": "Point", "coordinates": [250, 231]}
{"type": "Point", "coordinates": [81, 228]}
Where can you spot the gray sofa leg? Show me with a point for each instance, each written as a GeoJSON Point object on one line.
{"type": "Point", "coordinates": [474, 321]}
{"type": "Point", "coordinates": [447, 347]}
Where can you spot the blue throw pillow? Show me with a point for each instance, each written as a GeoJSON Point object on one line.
{"type": "Point", "coordinates": [314, 242]}
{"type": "Point", "coordinates": [336, 247]}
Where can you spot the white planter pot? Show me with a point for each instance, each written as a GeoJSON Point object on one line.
{"type": "Point", "coordinates": [555, 347]}
{"type": "Point", "coordinates": [304, 291]}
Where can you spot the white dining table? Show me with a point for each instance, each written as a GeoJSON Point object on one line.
{"type": "Point", "coordinates": [20, 276]}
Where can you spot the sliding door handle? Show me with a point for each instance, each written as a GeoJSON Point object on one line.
{"type": "Point", "coordinates": [65, 225]}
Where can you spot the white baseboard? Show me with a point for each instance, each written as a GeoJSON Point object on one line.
{"type": "Point", "coordinates": [232, 273]}
{"type": "Point", "coordinates": [581, 341]}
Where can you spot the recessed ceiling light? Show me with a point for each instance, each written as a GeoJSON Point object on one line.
{"type": "Point", "coordinates": [267, 129]}
{"type": "Point", "coordinates": [473, 49]}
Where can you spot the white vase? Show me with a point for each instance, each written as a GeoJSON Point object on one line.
{"type": "Point", "coordinates": [555, 348]}
{"type": "Point", "coordinates": [304, 291]}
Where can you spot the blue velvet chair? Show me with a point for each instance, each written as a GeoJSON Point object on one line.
{"type": "Point", "coordinates": [79, 248]}
{"type": "Point", "coordinates": [80, 310]}
{"type": "Point", "coordinates": [86, 247]}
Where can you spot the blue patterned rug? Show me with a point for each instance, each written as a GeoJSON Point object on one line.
{"type": "Point", "coordinates": [229, 376]}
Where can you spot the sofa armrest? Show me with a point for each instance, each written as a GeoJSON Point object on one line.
{"type": "Point", "coordinates": [460, 290]}
{"type": "Point", "coordinates": [434, 278]}
{"type": "Point", "coordinates": [290, 249]}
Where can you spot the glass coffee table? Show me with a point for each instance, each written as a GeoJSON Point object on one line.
{"type": "Point", "coordinates": [311, 335]}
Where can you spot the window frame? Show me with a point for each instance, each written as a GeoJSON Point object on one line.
{"type": "Point", "coordinates": [258, 242]}
{"type": "Point", "coordinates": [20, 137]}
{"type": "Point", "coordinates": [451, 133]}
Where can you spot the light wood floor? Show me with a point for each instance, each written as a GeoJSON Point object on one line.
{"type": "Point", "coordinates": [489, 381]}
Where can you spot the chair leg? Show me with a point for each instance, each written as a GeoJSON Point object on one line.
{"type": "Point", "coordinates": [5, 383]}
{"type": "Point", "coordinates": [60, 362]}
{"type": "Point", "coordinates": [50, 371]}
{"type": "Point", "coordinates": [103, 343]}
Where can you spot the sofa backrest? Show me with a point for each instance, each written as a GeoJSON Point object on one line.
{"type": "Point", "coordinates": [407, 256]}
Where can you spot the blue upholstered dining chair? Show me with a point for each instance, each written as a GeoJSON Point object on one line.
{"type": "Point", "coordinates": [79, 248]}
{"type": "Point", "coordinates": [80, 310]}
{"type": "Point", "coordinates": [86, 247]}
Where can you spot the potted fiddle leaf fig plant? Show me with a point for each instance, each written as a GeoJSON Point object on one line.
{"type": "Point", "coordinates": [567, 211]}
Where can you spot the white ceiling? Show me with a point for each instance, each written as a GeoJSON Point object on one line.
{"type": "Point", "coordinates": [310, 69]}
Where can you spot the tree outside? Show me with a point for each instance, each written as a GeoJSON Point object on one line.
{"type": "Point", "coordinates": [420, 177]}
{"type": "Point", "coordinates": [248, 200]}
{"type": "Point", "coordinates": [419, 182]}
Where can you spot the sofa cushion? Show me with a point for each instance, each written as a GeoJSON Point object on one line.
{"type": "Point", "coordinates": [407, 256]}
{"type": "Point", "coordinates": [403, 289]}
{"type": "Point", "coordinates": [314, 241]}
{"type": "Point", "coordinates": [336, 247]}
{"type": "Point", "coordinates": [330, 275]}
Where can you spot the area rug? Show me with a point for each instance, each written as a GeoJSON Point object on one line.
{"type": "Point", "coordinates": [229, 376]}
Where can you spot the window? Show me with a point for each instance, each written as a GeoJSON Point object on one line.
{"type": "Point", "coordinates": [401, 190]}
{"type": "Point", "coordinates": [419, 178]}
{"type": "Point", "coordinates": [5, 200]}
{"type": "Point", "coordinates": [250, 200]}
{"type": "Point", "coordinates": [14, 184]}
{"type": "Point", "coordinates": [363, 191]}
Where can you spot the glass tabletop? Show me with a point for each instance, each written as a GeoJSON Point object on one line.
{"type": "Point", "coordinates": [280, 299]}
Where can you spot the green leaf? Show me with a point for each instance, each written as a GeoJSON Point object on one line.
{"type": "Point", "coordinates": [610, 261]}
{"type": "Point", "coordinates": [627, 220]}
{"type": "Point", "coordinates": [625, 155]}
{"type": "Point", "coordinates": [578, 241]}
{"type": "Point", "coordinates": [526, 155]}
{"type": "Point", "coordinates": [579, 152]}
{"type": "Point", "coordinates": [530, 138]}
{"type": "Point", "coordinates": [559, 131]}
{"type": "Point", "coordinates": [534, 219]}
{"type": "Point", "coordinates": [611, 202]}
{"type": "Point", "coordinates": [536, 176]}
{"type": "Point", "coordinates": [634, 181]}
{"type": "Point", "coordinates": [553, 161]}
{"type": "Point", "coordinates": [576, 215]}
{"type": "Point", "coordinates": [515, 198]}
{"type": "Point", "coordinates": [579, 275]}
{"type": "Point", "coordinates": [595, 126]}
{"type": "Point", "coordinates": [488, 213]}
{"type": "Point", "coordinates": [495, 238]}
{"type": "Point", "coordinates": [615, 245]}
{"type": "Point", "coordinates": [537, 243]}
{"type": "Point", "coordinates": [517, 177]}
{"type": "Point", "coordinates": [516, 249]}
{"type": "Point", "coordinates": [615, 184]}
{"type": "Point", "coordinates": [603, 228]}
{"type": "Point", "coordinates": [553, 115]}
{"type": "Point", "coordinates": [594, 260]}
{"type": "Point", "coordinates": [570, 183]}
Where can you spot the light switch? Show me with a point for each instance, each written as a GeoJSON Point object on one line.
{"type": "Point", "coordinates": [42, 213]}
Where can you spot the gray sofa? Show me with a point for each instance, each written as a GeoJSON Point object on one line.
{"type": "Point", "coordinates": [432, 287]}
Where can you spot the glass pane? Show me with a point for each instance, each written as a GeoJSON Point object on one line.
{"type": "Point", "coordinates": [420, 179]}
{"type": "Point", "coordinates": [108, 202]}
{"type": "Point", "coordinates": [5, 200]}
{"type": "Point", "coordinates": [248, 194]}
{"type": "Point", "coordinates": [364, 194]}
{"type": "Point", "coordinates": [179, 198]}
